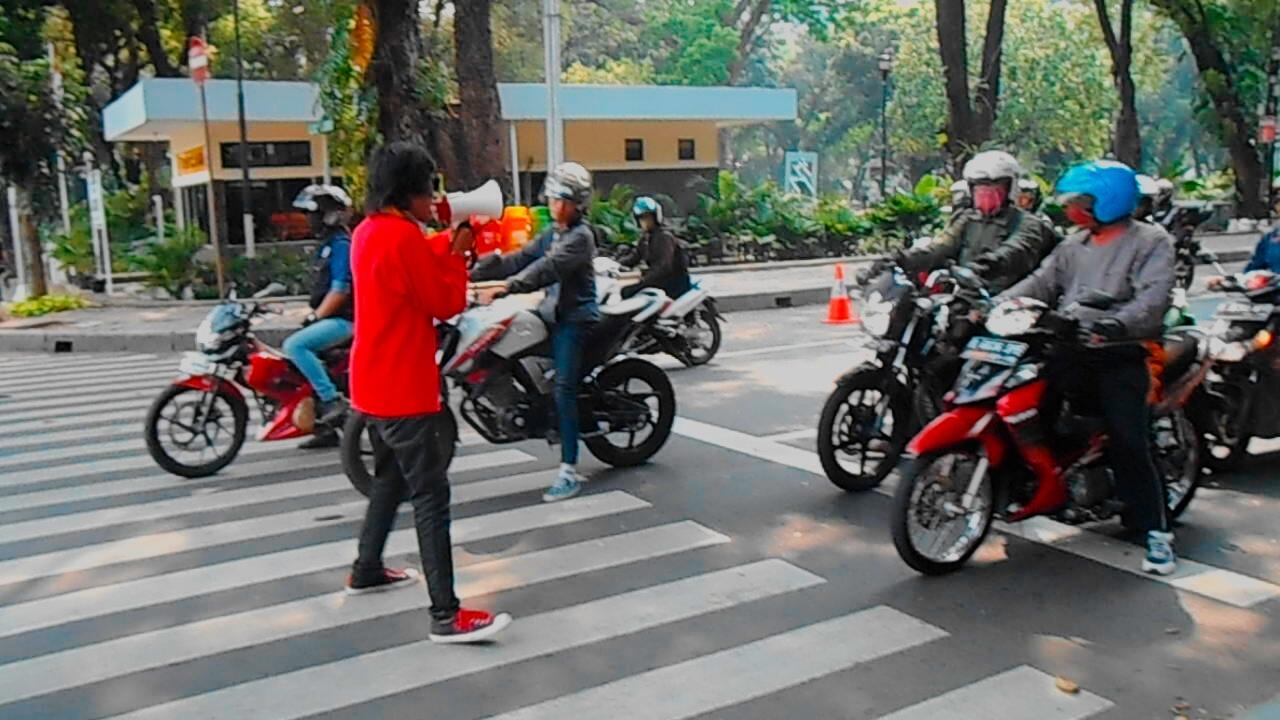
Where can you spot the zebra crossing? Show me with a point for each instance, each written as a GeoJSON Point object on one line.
{"type": "Point", "coordinates": [129, 593]}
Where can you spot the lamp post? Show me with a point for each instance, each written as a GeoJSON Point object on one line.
{"type": "Point", "coordinates": [886, 66]}
{"type": "Point", "coordinates": [245, 198]}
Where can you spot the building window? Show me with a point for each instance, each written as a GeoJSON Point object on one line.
{"type": "Point", "coordinates": [687, 149]}
{"type": "Point", "coordinates": [268, 154]}
{"type": "Point", "coordinates": [635, 149]}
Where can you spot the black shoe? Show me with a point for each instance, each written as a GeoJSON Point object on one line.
{"type": "Point", "coordinates": [323, 439]}
{"type": "Point", "coordinates": [333, 413]}
{"type": "Point", "coordinates": [388, 579]}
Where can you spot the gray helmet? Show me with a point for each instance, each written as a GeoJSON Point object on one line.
{"type": "Point", "coordinates": [569, 181]}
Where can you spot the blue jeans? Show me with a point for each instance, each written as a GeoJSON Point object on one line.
{"type": "Point", "coordinates": [303, 347]}
{"type": "Point", "coordinates": [566, 352]}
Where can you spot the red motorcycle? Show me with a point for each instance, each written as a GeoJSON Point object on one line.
{"type": "Point", "coordinates": [975, 462]}
{"type": "Point", "coordinates": [198, 424]}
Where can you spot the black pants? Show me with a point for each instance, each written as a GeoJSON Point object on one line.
{"type": "Point", "coordinates": [1115, 383]}
{"type": "Point", "coordinates": [406, 454]}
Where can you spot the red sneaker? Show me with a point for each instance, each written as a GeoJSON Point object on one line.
{"type": "Point", "coordinates": [469, 626]}
{"type": "Point", "coordinates": [388, 580]}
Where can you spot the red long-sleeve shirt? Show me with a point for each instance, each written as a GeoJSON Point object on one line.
{"type": "Point", "coordinates": [407, 280]}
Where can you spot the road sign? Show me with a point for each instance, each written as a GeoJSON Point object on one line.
{"type": "Point", "coordinates": [97, 210]}
{"type": "Point", "coordinates": [198, 60]}
{"type": "Point", "coordinates": [800, 172]}
{"type": "Point", "coordinates": [1267, 129]}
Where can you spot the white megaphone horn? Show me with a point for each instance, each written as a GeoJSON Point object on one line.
{"type": "Point", "coordinates": [485, 201]}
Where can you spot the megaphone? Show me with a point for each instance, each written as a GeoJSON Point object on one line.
{"type": "Point", "coordinates": [459, 207]}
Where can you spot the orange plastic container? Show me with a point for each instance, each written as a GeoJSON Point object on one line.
{"type": "Point", "coordinates": [517, 228]}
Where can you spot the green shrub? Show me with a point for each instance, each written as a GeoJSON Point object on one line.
{"type": "Point", "coordinates": [171, 263]}
{"type": "Point", "coordinates": [47, 304]}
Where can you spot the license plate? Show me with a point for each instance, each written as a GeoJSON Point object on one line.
{"type": "Point", "coordinates": [196, 364]}
{"type": "Point", "coordinates": [996, 351]}
{"type": "Point", "coordinates": [1244, 311]}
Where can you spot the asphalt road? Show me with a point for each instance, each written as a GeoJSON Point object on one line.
{"type": "Point", "coordinates": [727, 579]}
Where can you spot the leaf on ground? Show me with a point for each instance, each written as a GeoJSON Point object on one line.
{"type": "Point", "coordinates": [1066, 685]}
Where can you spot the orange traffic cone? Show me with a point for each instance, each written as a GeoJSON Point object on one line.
{"type": "Point", "coordinates": [840, 309]}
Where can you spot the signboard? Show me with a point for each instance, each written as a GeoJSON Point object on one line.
{"type": "Point", "coordinates": [198, 60]}
{"type": "Point", "coordinates": [1267, 129]}
{"type": "Point", "coordinates": [800, 172]}
{"type": "Point", "coordinates": [97, 210]}
{"type": "Point", "coordinates": [191, 161]}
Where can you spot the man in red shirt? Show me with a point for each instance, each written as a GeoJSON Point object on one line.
{"type": "Point", "coordinates": [408, 281]}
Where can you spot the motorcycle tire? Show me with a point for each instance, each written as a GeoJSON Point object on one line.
{"type": "Point", "coordinates": [863, 380]}
{"type": "Point", "coordinates": [706, 316]}
{"type": "Point", "coordinates": [1187, 469]}
{"type": "Point", "coordinates": [616, 378]}
{"type": "Point", "coordinates": [1185, 275]}
{"type": "Point", "coordinates": [903, 507]}
{"type": "Point", "coordinates": [356, 449]}
{"type": "Point", "coordinates": [159, 453]}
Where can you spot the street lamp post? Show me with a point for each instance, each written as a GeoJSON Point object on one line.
{"type": "Point", "coordinates": [886, 65]}
{"type": "Point", "coordinates": [245, 198]}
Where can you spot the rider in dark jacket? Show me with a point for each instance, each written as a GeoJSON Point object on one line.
{"type": "Point", "coordinates": [561, 261]}
{"type": "Point", "coordinates": [666, 257]}
{"type": "Point", "coordinates": [994, 238]}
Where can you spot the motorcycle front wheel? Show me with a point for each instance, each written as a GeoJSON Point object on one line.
{"type": "Point", "coordinates": [863, 429]}
{"type": "Point", "coordinates": [194, 433]}
{"type": "Point", "coordinates": [932, 531]}
{"type": "Point", "coordinates": [631, 410]}
{"type": "Point", "coordinates": [356, 449]}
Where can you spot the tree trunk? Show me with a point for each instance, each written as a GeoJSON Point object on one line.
{"type": "Point", "coordinates": [149, 33]}
{"type": "Point", "coordinates": [32, 251]}
{"type": "Point", "coordinates": [988, 99]}
{"type": "Point", "coordinates": [969, 122]}
{"type": "Point", "coordinates": [747, 37]}
{"type": "Point", "coordinates": [1126, 140]}
{"type": "Point", "coordinates": [1216, 76]}
{"type": "Point", "coordinates": [397, 63]}
{"type": "Point", "coordinates": [478, 145]}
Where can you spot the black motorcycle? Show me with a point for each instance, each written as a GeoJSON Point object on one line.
{"type": "Point", "coordinates": [917, 333]}
{"type": "Point", "coordinates": [1240, 398]}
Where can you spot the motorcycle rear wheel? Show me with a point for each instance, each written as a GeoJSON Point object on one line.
{"type": "Point", "coordinates": [178, 425]}
{"type": "Point", "coordinates": [925, 504]}
{"type": "Point", "coordinates": [619, 388]}
{"type": "Point", "coordinates": [844, 429]}
{"type": "Point", "coordinates": [707, 345]}
{"type": "Point", "coordinates": [356, 449]}
{"type": "Point", "coordinates": [1178, 460]}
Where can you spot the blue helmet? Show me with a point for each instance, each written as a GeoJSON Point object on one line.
{"type": "Point", "coordinates": [646, 205]}
{"type": "Point", "coordinates": [1112, 185]}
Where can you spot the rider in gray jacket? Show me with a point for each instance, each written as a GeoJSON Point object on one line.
{"type": "Point", "coordinates": [1132, 262]}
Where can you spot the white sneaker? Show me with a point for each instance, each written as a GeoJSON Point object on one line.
{"type": "Point", "coordinates": [1160, 559]}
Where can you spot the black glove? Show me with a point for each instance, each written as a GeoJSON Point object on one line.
{"type": "Point", "coordinates": [982, 266]}
{"type": "Point", "coordinates": [309, 319]}
{"type": "Point", "coordinates": [865, 275]}
{"type": "Point", "coordinates": [1103, 330]}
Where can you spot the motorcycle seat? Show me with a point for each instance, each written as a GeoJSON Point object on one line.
{"type": "Point", "coordinates": [623, 308]}
{"type": "Point", "coordinates": [1181, 350]}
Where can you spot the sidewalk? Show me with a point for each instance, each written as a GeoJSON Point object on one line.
{"type": "Point", "coordinates": [162, 327]}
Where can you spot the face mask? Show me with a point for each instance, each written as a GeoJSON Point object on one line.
{"type": "Point", "coordinates": [1079, 216]}
{"type": "Point", "coordinates": [989, 199]}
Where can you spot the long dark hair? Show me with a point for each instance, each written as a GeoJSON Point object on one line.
{"type": "Point", "coordinates": [398, 172]}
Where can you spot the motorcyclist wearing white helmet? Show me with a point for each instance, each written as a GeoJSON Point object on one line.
{"type": "Point", "coordinates": [329, 323]}
{"type": "Point", "coordinates": [995, 238]}
{"type": "Point", "coordinates": [559, 260]}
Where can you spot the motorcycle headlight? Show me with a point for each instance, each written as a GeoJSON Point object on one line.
{"type": "Point", "coordinates": [876, 314]}
{"type": "Point", "coordinates": [1014, 317]}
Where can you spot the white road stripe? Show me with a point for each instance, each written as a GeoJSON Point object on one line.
{"type": "Point", "coordinates": [1022, 693]}
{"type": "Point", "coordinates": [793, 435]}
{"type": "Point", "coordinates": [79, 401]}
{"type": "Point", "coordinates": [14, 430]}
{"type": "Point", "coordinates": [142, 461]}
{"type": "Point", "coordinates": [10, 447]}
{"type": "Point", "coordinates": [132, 486]}
{"type": "Point", "coordinates": [144, 592]}
{"type": "Point", "coordinates": [1217, 583]}
{"type": "Point", "coordinates": [57, 392]}
{"type": "Point", "coordinates": [87, 376]}
{"type": "Point", "coordinates": [720, 680]}
{"type": "Point", "coordinates": [63, 453]}
{"type": "Point", "coordinates": [378, 674]}
{"type": "Point", "coordinates": [38, 362]}
{"type": "Point", "coordinates": [144, 547]}
{"type": "Point", "coordinates": [160, 648]}
{"type": "Point", "coordinates": [215, 499]}
{"type": "Point", "coordinates": [10, 420]}
{"type": "Point", "coordinates": [769, 350]}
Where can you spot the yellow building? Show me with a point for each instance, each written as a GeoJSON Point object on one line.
{"type": "Point", "coordinates": [658, 139]}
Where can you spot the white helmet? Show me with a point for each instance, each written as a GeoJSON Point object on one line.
{"type": "Point", "coordinates": [312, 196]}
{"type": "Point", "coordinates": [992, 165]}
{"type": "Point", "coordinates": [569, 181]}
{"type": "Point", "coordinates": [1147, 186]}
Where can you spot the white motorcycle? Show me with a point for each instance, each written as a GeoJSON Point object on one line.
{"type": "Point", "coordinates": [688, 328]}
{"type": "Point", "coordinates": [498, 356]}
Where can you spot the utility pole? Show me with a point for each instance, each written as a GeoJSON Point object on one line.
{"type": "Point", "coordinates": [551, 45]}
{"type": "Point", "coordinates": [245, 196]}
{"type": "Point", "coordinates": [886, 66]}
{"type": "Point", "coordinates": [1268, 124]}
